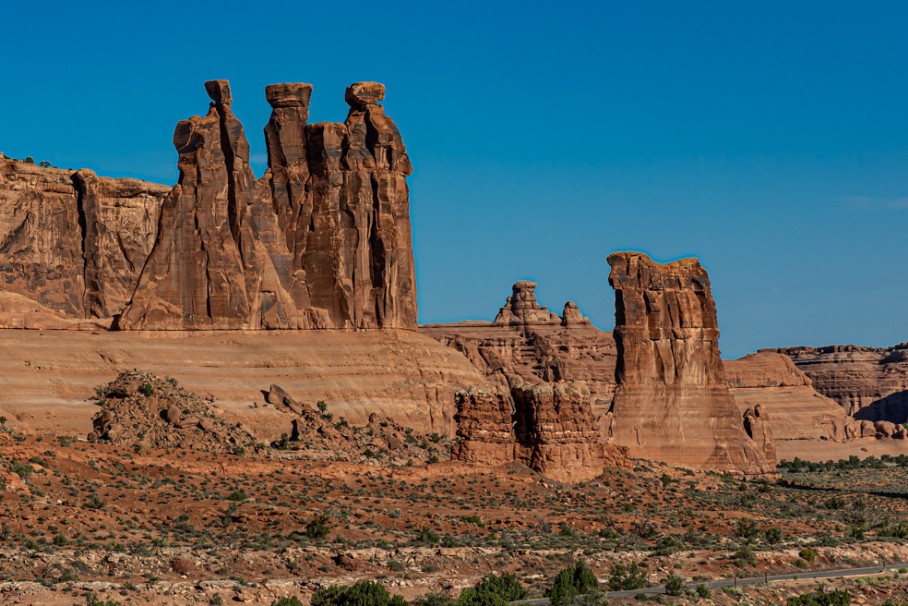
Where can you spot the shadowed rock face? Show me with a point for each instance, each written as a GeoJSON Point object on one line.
{"type": "Point", "coordinates": [547, 426]}
{"type": "Point", "coordinates": [323, 241]}
{"type": "Point", "coordinates": [671, 402]}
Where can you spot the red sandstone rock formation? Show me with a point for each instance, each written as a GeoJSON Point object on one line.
{"type": "Point", "coordinates": [758, 427]}
{"type": "Point", "coordinates": [671, 403]}
{"type": "Point", "coordinates": [485, 426]}
{"type": "Point", "coordinates": [557, 434]}
{"type": "Point", "coordinates": [71, 244]}
{"type": "Point", "coordinates": [869, 383]}
{"type": "Point", "coordinates": [322, 242]}
{"type": "Point", "coordinates": [522, 309]}
{"type": "Point", "coordinates": [772, 381]}
{"type": "Point", "coordinates": [547, 426]}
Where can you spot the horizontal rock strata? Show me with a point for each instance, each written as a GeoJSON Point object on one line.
{"type": "Point", "coordinates": [869, 383]}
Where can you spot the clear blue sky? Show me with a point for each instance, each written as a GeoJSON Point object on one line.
{"type": "Point", "coordinates": [769, 139]}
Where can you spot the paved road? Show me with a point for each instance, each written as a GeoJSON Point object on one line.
{"type": "Point", "coordinates": [768, 578]}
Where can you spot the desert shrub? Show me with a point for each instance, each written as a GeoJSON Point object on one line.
{"type": "Point", "coordinates": [820, 597]}
{"type": "Point", "coordinates": [702, 591]}
{"type": "Point", "coordinates": [493, 590]}
{"type": "Point", "coordinates": [434, 599]}
{"type": "Point", "coordinates": [631, 577]}
{"type": "Point", "coordinates": [808, 554]}
{"type": "Point", "coordinates": [317, 528]}
{"type": "Point", "coordinates": [574, 581]}
{"type": "Point", "coordinates": [93, 600]}
{"type": "Point", "coordinates": [146, 389]}
{"type": "Point", "coordinates": [426, 536]}
{"type": "Point", "coordinates": [365, 593]}
{"type": "Point", "coordinates": [773, 535]}
{"type": "Point", "coordinates": [287, 601]}
{"type": "Point", "coordinates": [674, 585]}
{"type": "Point", "coordinates": [744, 557]}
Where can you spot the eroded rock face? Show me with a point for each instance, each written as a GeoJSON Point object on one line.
{"type": "Point", "coordinates": [758, 427]}
{"type": "Point", "coordinates": [547, 426]}
{"type": "Point", "coordinates": [323, 241]}
{"type": "Point", "coordinates": [772, 382]}
{"type": "Point", "coordinates": [485, 427]}
{"type": "Point", "coordinates": [72, 244]}
{"type": "Point", "coordinates": [869, 383]}
{"type": "Point", "coordinates": [522, 309]}
{"type": "Point", "coordinates": [671, 402]}
{"type": "Point", "coordinates": [557, 434]}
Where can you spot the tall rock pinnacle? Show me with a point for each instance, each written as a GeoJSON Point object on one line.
{"type": "Point", "coordinates": [322, 241]}
{"type": "Point", "coordinates": [672, 402]}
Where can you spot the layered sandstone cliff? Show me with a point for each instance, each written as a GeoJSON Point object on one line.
{"type": "Point", "coordinates": [71, 243]}
{"type": "Point", "coordinates": [323, 241]}
{"type": "Point", "coordinates": [671, 403]}
{"type": "Point", "coordinates": [772, 381]}
{"type": "Point", "coordinates": [869, 383]}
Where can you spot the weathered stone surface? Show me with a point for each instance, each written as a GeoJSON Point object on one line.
{"type": "Point", "coordinates": [547, 426]}
{"type": "Point", "coordinates": [513, 351]}
{"type": "Point", "coordinates": [72, 243]}
{"type": "Point", "coordinates": [485, 426]}
{"type": "Point", "coordinates": [672, 403]}
{"type": "Point", "coordinates": [868, 382]}
{"type": "Point", "coordinates": [522, 309]}
{"type": "Point", "coordinates": [557, 434]}
{"type": "Point", "coordinates": [772, 381]}
{"type": "Point", "coordinates": [340, 194]}
{"type": "Point", "coordinates": [323, 241]}
{"type": "Point", "coordinates": [571, 316]}
{"type": "Point", "coordinates": [121, 222]}
{"type": "Point", "coordinates": [758, 427]}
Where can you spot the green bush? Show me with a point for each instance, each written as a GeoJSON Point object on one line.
{"type": "Point", "coordinates": [317, 528]}
{"type": "Point", "coordinates": [808, 554]}
{"type": "Point", "coordinates": [434, 599]}
{"type": "Point", "coordinates": [146, 389]}
{"type": "Point", "coordinates": [622, 578]}
{"type": "Point", "coordinates": [674, 585]}
{"type": "Point", "coordinates": [365, 593]}
{"type": "Point", "coordinates": [493, 590]}
{"type": "Point", "coordinates": [574, 581]}
{"type": "Point", "coordinates": [287, 601]}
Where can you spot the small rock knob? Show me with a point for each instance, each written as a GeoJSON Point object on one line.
{"type": "Point", "coordinates": [362, 94]}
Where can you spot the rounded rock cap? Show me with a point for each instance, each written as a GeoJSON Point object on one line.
{"type": "Point", "coordinates": [219, 91]}
{"type": "Point", "coordinates": [288, 94]}
{"type": "Point", "coordinates": [362, 94]}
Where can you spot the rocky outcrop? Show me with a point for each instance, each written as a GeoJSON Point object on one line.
{"type": "Point", "coordinates": [557, 434]}
{"type": "Point", "coordinates": [758, 427]}
{"type": "Point", "coordinates": [671, 402]}
{"type": "Point", "coordinates": [772, 382]}
{"type": "Point", "coordinates": [547, 426]}
{"type": "Point", "coordinates": [522, 309]}
{"type": "Point", "coordinates": [323, 241]}
{"type": "Point", "coordinates": [869, 383]}
{"type": "Point", "coordinates": [485, 426]}
{"type": "Point", "coordinates": [71, 244]}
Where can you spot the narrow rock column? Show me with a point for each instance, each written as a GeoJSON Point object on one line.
{"type": "Point", "coordinates": [672, 403]}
